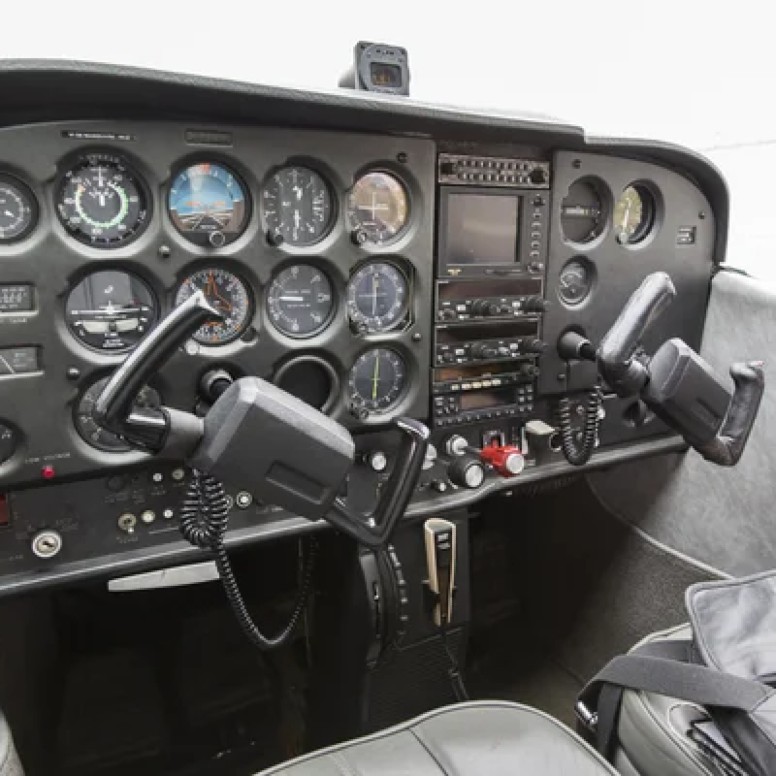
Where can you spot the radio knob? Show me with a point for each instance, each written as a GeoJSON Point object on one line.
{"type": "Point", "coordinates": [483, 351]}
{"type": "Point", "coordinates": [447, 314]}
{"type": "Point", "coordinates": [535, 304]}
{"type": "Point", "coordinates": [535, 346]}
{"type": "Point", "coordinates": [484, 307]}
{"type": "Point", "coordinates": [466, 472]}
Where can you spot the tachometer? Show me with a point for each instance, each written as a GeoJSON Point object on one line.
{"type": "Point", "coordinates": [92, 432]}
{"type": "Point", "coordinates": [634, 214]}
{"type": "Point", "coordinates": [377, 380]}
{"type": "Point", "coordinates": [378, 296]}
{"type": "Point", "coordinates": [208, 204]}
{"type": "Point", "coordinates": [111, 310]}
{"type": "Point", "coordinates": [18, 210]}
{"type": "Point", "coordinates": [582, 213]}
{"type": "Point", "coordinates": [378, 208]}
{"type": "Point", "coordinates": [102, 202]}
{"type": "Point", "coordinates": [296, 206]}
{"type": "Point", "coordinates": [300, 300]}
{"type": "Point", "coordinates": [228, 294]}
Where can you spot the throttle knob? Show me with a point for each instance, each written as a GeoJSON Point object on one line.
{"type": "Point", "coordinates": [466, 472]}
{"type": "Point", "coordinates": [507, 460]}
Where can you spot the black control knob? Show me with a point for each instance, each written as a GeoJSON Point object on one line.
{"type": "Point", "coordinates": [535, 345]}
{"type": "Point", "coordinates": [466, 471]}
{"type": "Point", "coordinates": [484, 307]}
{"type": "Point", "coordinates": [447, 314]}
{"type": "Point", "coordinates": [534, 304]}
{"type": "Point", "coordinates": [539, 175]}
{"type": "Point", "coordinates": [528, 370]}
{"type": "Point", "coordinates": [482, 351]}
{"type": "Point", "coordinates": [214, 383]}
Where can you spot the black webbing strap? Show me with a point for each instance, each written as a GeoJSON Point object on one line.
{"type": "Point", "coordinates": [663, 668]}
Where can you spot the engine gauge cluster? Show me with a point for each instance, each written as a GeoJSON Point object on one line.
{"type": "Point", "coordinates": [228, 294]}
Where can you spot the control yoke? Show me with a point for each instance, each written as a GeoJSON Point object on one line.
{"type": "Point", "coordinates": [676, 383]}
{"type": "Point", "coordinates": [257, 437]}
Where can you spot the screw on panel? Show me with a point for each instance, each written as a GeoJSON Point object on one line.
{"type": "Point", "coordinates": [576, 164]}
{"type": "Point", "coordinates": [702, 215]}
{"type": "Point", "coordinates": [417, 337]}
{"type": "Point", "coordinates": [165, 251]}
{"type": "Point", "coordinates": [73, 373]}
{"type": "Point", "coordinates": [401, 157]}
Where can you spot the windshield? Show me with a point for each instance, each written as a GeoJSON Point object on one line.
{"type": "Point", "coordinates": [671, 71]}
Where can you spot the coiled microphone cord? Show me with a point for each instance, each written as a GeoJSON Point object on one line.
{"type": "Point", "coordinates": [578, 453]}
{"type": "Point", "coordinates": [203, 523]}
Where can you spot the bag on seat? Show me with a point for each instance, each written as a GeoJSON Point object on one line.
{"type": "Point", "coordinates": [729, 667]}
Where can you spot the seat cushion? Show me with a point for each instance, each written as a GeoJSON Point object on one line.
{"type": "Point", "coordinates": [9, 760]}
{"type": "Point", "coordinates": [488, 738]}
{"type": "Point", "coordinates": [652, 732]}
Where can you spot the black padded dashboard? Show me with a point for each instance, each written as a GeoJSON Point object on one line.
{"type": "Point", "coordinates": [55, 480]}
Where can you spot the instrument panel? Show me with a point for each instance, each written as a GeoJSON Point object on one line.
{"type": "Point", "coordinates": [319, 263]}
{"type": "Point", "coordinates": [370, 275]}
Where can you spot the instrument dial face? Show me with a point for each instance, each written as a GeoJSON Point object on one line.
{"type": "Point", "coordinates": [18, 210]}
{"type": "Point", "coordinates": [102, 202]}
{"type": "Point", "coordinates": [582, 212]}
{"type": "Point", "coordinates": [378, 208]}
{"type": "Point", "coordinates": [228, 294]}
{"type": "Point", "coordinates": [377, 380]}
{"type": "Point", "coordinates": [300, 301]}
{"type": "Point", "coordinates": [378, 296]}
{"type": "Point", "coordinates": [208, 204]}
{"type": "Point", "coordinates": [111, 310]}
{"type": "Point", "coordinates": [94, 434]}
{"type": "Point", "coordinates": [634, 214]}
{"type": "Point", "coordinates": [576, 281]}
{"type": "Point", "coordinates": [297, 206]}
{"type": "Point", "coordinates": [9, 441]}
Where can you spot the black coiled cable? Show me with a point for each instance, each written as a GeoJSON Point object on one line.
{"type": "Point", "coordinates": [578, 453]}
{"type": "Point", "coordinates": [203, 522]}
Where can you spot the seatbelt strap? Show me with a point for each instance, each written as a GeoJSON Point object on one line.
{"type": "Point", "coordinates": [662, 668]}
